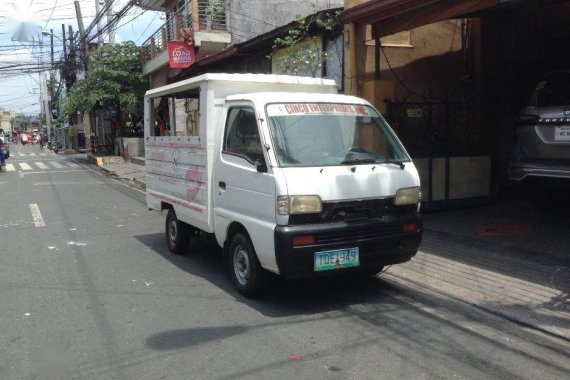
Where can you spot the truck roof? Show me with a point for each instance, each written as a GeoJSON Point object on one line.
{"type": "Point", "coordinates": [296, 97]}
{"type": "Point", "coordinates": [248, 83]}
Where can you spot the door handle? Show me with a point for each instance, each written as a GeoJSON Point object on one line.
{"type": "Point", "coordinates": [222, 185]}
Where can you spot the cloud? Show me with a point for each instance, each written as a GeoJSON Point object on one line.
{"type": "Point", "coordinates": [18, 55]}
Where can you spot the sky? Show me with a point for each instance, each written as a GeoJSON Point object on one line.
{"type": "Point", "coordinates": [21, 23]}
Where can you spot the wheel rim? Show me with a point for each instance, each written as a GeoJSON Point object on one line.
{"type": "Point", "coordinates": [241, 265]}
{"type": "Point", "coordinates": [172, 232]}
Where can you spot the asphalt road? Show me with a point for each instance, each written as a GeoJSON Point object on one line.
{"type": "Point", "coordinates": [88, 290]}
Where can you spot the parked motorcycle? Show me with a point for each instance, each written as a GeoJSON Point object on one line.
{"type": "Point", "coordinates": [57, 146]}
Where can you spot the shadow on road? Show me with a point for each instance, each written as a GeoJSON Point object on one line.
{"type": "Point", "coordinates": [283, 297]}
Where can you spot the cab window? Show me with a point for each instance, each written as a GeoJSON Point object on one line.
{"type": "Point", "coordinates": [242, 135]}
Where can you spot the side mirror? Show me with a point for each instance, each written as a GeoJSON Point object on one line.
{"type": "Point", "coordinates": [260, 166]}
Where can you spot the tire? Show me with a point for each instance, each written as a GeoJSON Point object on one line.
{"type": "Point", "coordinates": [246, 272]}
{"type": "Point", "coordinates": [177, 233]}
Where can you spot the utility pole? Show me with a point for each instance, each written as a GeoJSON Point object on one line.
{"type": "Point", "coordinates": [51, 76]}
{"type": "Point", "coordinates": [97, 12]}
{"type": "Point", "coordinates": [84, 47]}
{"type": "Point", "coordinates": [65, 68]}
{"type": "Point", "coordinates": [72, 57]}
{"type": "Point", "coordinates": [109, 23]}
{"type": "Point", "coordinates": [43, 84]}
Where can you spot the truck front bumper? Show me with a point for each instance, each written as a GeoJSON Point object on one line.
{"type": "Point", "coordinates": [379, 241]}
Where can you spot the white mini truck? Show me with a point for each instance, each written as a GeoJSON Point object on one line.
{"type": "Point", "coordinates": [287, 175]}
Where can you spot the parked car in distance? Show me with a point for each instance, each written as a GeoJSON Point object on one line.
{"type": "Point", "coordinates": [541, 151]}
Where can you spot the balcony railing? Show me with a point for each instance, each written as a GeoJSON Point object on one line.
{"type": "Point", "coordinates": [199, 15]}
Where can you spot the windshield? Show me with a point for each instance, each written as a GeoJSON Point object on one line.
{"type": "Point", "coordinates": [325, 134]}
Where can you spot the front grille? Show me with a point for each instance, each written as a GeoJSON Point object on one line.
{"type": "Point", "coordinates": [353, 211]}
{"type": "Point", "coordinates": [360, 234]}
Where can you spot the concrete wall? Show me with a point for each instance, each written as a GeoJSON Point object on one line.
{"type": "Point", "coordinates": [249, 18]}
{"type": "Point", "coordinates": [423, 62]}
{"type": "Point", "coordinates": [469, 178]}
{"type": "Point", "coordinates": [129, 147]}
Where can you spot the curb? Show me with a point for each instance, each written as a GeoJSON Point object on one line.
{"type": "Point", "coordinates": [105, 160]}
{"type": "Point", "coordinates": [138, 161]}
{"type": "Point", "coordinates": [527, 293]}
{"type": "Point", "coordinates": [494, 311]}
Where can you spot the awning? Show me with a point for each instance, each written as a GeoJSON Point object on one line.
{"type": "Point", "coordinates": [392, 16]}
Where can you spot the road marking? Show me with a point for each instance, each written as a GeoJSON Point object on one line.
{"type": "Point", "coordinates": [41, 165]}
{"type": "Point", "coordinates": [25, 166]}
{"type": "Point", "coordinates": [55, 165]}
{"type": "Point", "coordinates": [73, 165]}
{"type": "Point", "coordinates": [32, 154]}
{"type": "Point", "coordinates": [37, 215]}
{"type": "Point", "coordinates": [10, 167]}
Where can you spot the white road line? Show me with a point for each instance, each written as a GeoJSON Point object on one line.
{"type": "Point", "coordinates": [55, 164]}
{"type": "Point", "coordinates": [25, 166]}
{"type": "Point", "coordinates": [32, 154]}
{"type": "Point", "coordinates": [37, 215]}
{"type": "Point", "coordinates": [41, 165]}
{"type": "Point", "coordinates": [73, 165]}
{"type": "Point", "coordinates": [10, 167]}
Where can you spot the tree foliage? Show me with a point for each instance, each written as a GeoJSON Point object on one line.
{"type": "Point", "coordinates": [302, 61]}
{"type": "Point", "coordinates": [114, 80]}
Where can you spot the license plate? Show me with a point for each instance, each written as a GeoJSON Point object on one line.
{"type": "Point", "coordinates": [562, 133]}
{"type": "Point", "coordinates": [336, 259]}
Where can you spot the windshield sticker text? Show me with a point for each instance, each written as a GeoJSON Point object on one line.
{"type": "Point", "coordinates": [316, 109]}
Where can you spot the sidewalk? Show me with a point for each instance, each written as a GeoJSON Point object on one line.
{"type": "Point", "coordinates": [506, 258]}
{"type": "Point", "coordinates": [133, 171]}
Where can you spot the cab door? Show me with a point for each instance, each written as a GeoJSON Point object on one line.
{"type": "Point", "coordinates": [244, 186]}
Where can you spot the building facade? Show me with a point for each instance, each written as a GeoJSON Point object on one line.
{"type": "Point", "coordinates": [6, 119]}
{"type": "Point", "coordinates": [216, 25]}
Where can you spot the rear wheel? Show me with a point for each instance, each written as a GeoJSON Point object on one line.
{"type": "Point", "coordinates": [177, 233]}
{"type": "Point", "coordinates": [247, 274]}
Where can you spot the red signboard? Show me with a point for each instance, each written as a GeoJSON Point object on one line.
{"type": "Point", "coordinates": [180, 54]}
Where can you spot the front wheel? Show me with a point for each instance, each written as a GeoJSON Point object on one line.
{"type": "Point", "coordinates": [177, 234]}
{"type": "Point", "coordinates": [247, 274]}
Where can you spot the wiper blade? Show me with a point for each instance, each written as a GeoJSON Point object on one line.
{"type": "Point", "coordinates": [358, 161]}
{"type": "Point", "coordinates": [395, 162]}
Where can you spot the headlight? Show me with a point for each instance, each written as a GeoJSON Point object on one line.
{"type": "Point", "coordinates": [408, 196]}
{"type": "Point", "coordinates": [299, 204]}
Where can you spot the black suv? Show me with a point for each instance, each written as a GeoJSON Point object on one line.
{"type": "Point", "coordinates": [541, 152]}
